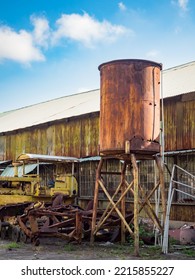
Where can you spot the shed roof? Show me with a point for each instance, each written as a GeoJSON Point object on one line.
{"type": "Point", "coordinates": [179, 80]}
{"type": "Point", "coordinates": [9, 170]}
{"type": "Point", "coordinates": [56, 109]}
{"type": "Point", "coordinates": [176, 80]}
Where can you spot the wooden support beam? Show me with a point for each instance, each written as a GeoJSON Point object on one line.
{"type": "Point", "coordinates": [95, 202]}
{"type": "Point", "coordinates": [102, 221]}
{"type": "Point", "coordinates": [150, 210]}
{"type": "Point", "coordinates": [123, 207]}
{"type": "Point", "coordinates": [136, 205]}
{"type": "Point", "coordinates": [79, 226]}
{"type": "Point", "coordinates": [115, 207]}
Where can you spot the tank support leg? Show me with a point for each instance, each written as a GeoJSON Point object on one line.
{"type": "Point", "coordinates": [123, 211]}
{"type": "Point", "coordinates": [136, 205]}
{"type": "Point", "coordinates": [122, 188]}
{"type": "Point", "coordinates": [95, 202]}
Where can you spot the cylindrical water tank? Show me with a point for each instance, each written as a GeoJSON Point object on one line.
{"type": "Point", "coordinates": [129, 106]}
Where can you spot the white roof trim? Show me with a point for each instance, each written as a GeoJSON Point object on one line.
{"type": "Point", "coordinates": [45, 158]}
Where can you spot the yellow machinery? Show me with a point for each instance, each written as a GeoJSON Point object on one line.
{"type": "Point", "coordinates": [54, 174]}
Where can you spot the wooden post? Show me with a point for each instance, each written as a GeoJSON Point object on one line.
{"type": "Point", "coordinates": [79, 226]}
{"type": "Point", "coordinates": [136, 205]}
{"type": "Point", "coordinates": [123, 211]}
{"type": "Point", "coordinates": [95, 202]}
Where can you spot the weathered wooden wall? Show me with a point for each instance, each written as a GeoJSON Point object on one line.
{"type": "Point", "coordinates": [179, 120]}
{"type": "Point", "coordinates": [77, 137]}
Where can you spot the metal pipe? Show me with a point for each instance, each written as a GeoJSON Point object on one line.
{"type": "Point", "coordinates": [184, 171]}
{"type": "Point", "coordinates": [178, 152]}
{"type": "Point", "coordinates": [162, 118]}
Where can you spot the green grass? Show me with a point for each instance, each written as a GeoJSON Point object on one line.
{"type": "Point", "coordinates": [70, 247]}
{"type": "Point", "coordinates": [13, 245]}
{"type": "Point", "coordinates": [189, 252]}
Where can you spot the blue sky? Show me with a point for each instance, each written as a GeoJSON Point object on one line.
{"type": "Point", "coordinates": [52, 48]}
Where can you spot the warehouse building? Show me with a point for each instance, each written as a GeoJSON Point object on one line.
{"type": "Point", "coordinates": [69, 126]}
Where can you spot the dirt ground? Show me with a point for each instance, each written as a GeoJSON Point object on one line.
{"type": "Point", "coordinates": [55, 249]}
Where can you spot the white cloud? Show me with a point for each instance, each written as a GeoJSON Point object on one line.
{"type": "Point", "coordinates": [152, 53]}
{"type": "Point", "coordinates": [18, 46]}
{"type": "Point", "coordinates": [122, 6]}
{"type": "Point", "coordinates": [86, 29]}
{"type": "Point", "coordinates": [27, 46]}
{"type": "Point", "coordinates": [183, 4]}
{"type": "Point", "coordinates": [41, 31]}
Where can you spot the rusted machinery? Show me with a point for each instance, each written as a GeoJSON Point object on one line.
{"type": "Point", "coordinates": [27, 181]}
{"type": "Point", "coordinates": [36, 177]}
{"type": "Point", "coordinates": [68, 222]}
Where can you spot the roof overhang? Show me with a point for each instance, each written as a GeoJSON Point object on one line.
{"type": "Point", "coordinates": [46, 158]}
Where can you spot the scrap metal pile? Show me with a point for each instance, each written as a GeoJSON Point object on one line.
{"type": "Point", "coordinates": [68, 222]}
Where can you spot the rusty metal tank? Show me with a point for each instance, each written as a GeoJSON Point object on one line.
{"type": "Point", "coordinates": [129, 107]}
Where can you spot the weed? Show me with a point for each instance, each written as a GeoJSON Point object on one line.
{"type": "Point", "coordinates": [13, 245]}
{"type": "Point", "coordinates": [69, 247]}
{"type": "Point", "coordinates": [189, 252]}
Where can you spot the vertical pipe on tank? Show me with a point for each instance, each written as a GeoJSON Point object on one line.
{"type": "Point", "coordinates": [153, 92]}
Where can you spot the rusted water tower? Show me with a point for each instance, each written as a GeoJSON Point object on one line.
{"type": "Point", "coordinates": [130, 106]}
{"type": "Point", "coordinates": [129, 130]}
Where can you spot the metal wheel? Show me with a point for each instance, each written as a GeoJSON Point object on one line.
{"type": "Point", "coordinates": [3, 232]}
{"type": "Point", "coordinates": [23, 236]}
{"type": "Point", "coordinates": [15, 234]}
{"type": "Point", "coordinates": [9, 231]}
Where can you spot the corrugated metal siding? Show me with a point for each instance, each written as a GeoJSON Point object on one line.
{"type": "Point", "coordinates": [179, 120]}
{"type": "Point", "coordinates": [170, 125]}
{"type": "Point", "coordinates": [3, 148]}
{"type": "Point", "coordinates": [77, 137]}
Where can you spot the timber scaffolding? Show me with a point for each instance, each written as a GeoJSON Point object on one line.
{"type": "Point", "coordinates": [141, 201]}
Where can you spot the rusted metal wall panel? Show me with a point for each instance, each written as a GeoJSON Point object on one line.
{"type": "Point", "coordinates": [179, 121]}
{"type": "Point", "coordinates": [182, 212]}
{"type": "Point", "coordinates": [76, 137]}
{"type": "Point", "coordinates": [89, 137]}
{"type": "Point", "coordinates": [170, 126]}
{"type": "Point", "coordinates": [189, 125]}
{"type": "Point", "coordinates": [2, 147]}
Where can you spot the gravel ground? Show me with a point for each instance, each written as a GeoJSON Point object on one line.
{"type": "Point", "coordinates": [54, 249]}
